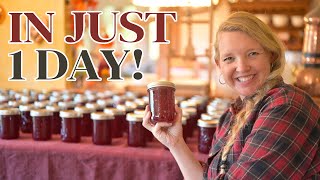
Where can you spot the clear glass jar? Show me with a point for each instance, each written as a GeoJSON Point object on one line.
{"type": "Point", "coordinates": [70, 126]}
{"type": "Point", "coordinates": [149, 135]}
{"type": "Point", "coordinates": [9, 123]}
{"type": "Point", "coordinates": [206, 131]}
{"type": "Point", "coordinates": [56, 119]}
{"type": "Point", "coordinates": [42, 120]}
{"type": "Point", "coordinates": [86, 121]}
{"type": "Point", "coordinates": [192, 121]}
{"type": "Point", "coordinates": [26, 119]}
{"type": "Point", "coordinates": [161, 101]}
{"type": "Point", "coordinates": [119, 120]}
{"type": "Point", "coordinates": [102, 128]}
{"type": "Point", "coordinates": [136, 132]}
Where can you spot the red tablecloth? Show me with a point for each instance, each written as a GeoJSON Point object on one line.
{"type": "Point", "coordinates": [26, 159]}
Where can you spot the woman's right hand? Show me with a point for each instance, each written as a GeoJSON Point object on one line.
{"type": "Point", "coordinates": [169, 134]}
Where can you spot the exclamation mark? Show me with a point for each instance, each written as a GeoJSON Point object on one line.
{"type": "Point", "coordinates": [137, 57]}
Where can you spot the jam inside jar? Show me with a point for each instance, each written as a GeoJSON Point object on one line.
{"type": "Point", "coordinates": [102, 128]}
{"type": "Point", "coordinates": [117, 124]}
{"type": "Point", "coordinates": [206, 131]}
{"type": "Point", "coordinates": [42, 120]}
{"type": "Point", "coordinates": [56, 120]}
{"type": "Point", "coordinates": [9, 123]}
{"type": "Point", "coordinates": [26, 119]}
{"type": "Point", "coordinates": [161, 101]}
{"type": "Point", "coordinates": [86, 121]}
{"type": "Point", "coordinates": [136, 132]}
{"type": "Point", "coordinates": [70, 126]}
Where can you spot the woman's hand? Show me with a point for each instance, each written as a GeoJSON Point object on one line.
{"type": "Point", "coordinates": [169, 134]}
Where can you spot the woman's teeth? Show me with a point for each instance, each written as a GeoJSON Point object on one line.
{"type": "Point", "coordinates": [245, 78]}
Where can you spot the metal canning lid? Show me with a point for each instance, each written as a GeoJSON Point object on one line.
{"type": "Point", "coordinates": [41, 104]}
{"type": "Point", "coordinates": [215, 114]}
{"type": "Point", "coordinates": [187, 104]}
{"type": "Point", "coordinates": [191, 111]}
{"type": "Point", "coordinates": [10, 111]}
{"type": "Point", "coordinates": [41, 112]}
{"type": "Point", "coordinates": [14, 103]}
{"type": "Point", "coordinates": [70, 114]}
{"type": "Point", "coordinates": [207, 117]}
{"type": "Point", "coordinates": [207, 123]}
{"type": "Point", "coordinates": [66, 104]}
{"type": "Point", "coordinates": [122, 107]}
{"type": "Point", "coordinates": [104, 102]}
{"type": "Point", "coordinates": [101, 116]}
{"type": "Point", "coordinates": [114, 111]}
{"type": "Point", "coordinates": [26, 107]}
{"type": "Point", "coordinates": [84, 110]}
{"type": "Point", "coordinates": [185, 114]}
{"type": "Point", "coordinates": [92, 105]}
{"type": "Point", "coordinates": [134, 117]}
{"type": "Point", "coordinates": [161, 83]}
{"type": "Point", "coordinates": [130, 105]}
{"type": "Point", "coordinates": [53, 108]}
{"type": "Point", "coordinates": [141, 112]}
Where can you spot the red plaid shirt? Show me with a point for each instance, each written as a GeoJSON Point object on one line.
{"type": "Point", "coordinates": [279, 141]}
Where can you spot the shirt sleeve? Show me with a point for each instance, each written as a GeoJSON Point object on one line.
{"type": "Point", "coordinates": [283, 141]}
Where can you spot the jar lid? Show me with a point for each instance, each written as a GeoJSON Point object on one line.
{"type": "Point", "coordinates": [161, 83]}
{"type": "Point", "coordinates": [207, 123]}
{"type": "Point", "coordinates": [207, 117]}
{"type": "Point", "coordinates": [114, 111]}
{"type": "Point", "coordinates": [4, 98]}
{"type": "Point", "coordinates": [67, 104]}
{"type": "Point", "coordinates": [191, 111]}
{"type": "Point", "coordinates": [26, 107]}
{"type": "Point", "coordinates": [141, 112]}
{"type": "Point", "coordinates": [3, 106]}
{"type": "Point", "coordinates": [187, 104]}
{"type": "Point", "coordinates": [53, 108]}
{"type": "Point", "coordinates": [104, 102]}
{"type": "Point", "coordinates": [80, 98]}
{"type": "Point", "coordinates": [14, 104]}
{"type": "Point", "coordinates": [83, 110]}
{"type": "Point", "coordinates": [134, 117]}
{"type": "Point", "coordinates": [10, 111]}
{"type": "Point", "coordinates": [70, 114]}
{"type": "Point", "coordinates": [41, 104]}
{"type": "Point", "coordinates": [93, 106]}
{"type": "Point", "coordinates": [41, 112]}
{"type": "Point", "coordinates": [184, 120]}
{"type": "Point", "coordinates": [101, 116]}
{"type": "Point", "coordinates": [130, 105]}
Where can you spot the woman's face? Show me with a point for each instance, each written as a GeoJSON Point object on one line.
{"type": "Point", "coordinates": [244, 64]}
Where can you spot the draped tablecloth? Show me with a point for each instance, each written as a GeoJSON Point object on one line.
{"type": "Point", "coordinates": [26, 159]}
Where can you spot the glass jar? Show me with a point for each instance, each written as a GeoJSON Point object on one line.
{"type": "Point", "coordinates": [161, 101]}
{"type": "Point", "coordinates": [42, 120]}
{"type": "Point", "coordinates": [119, 120]}
{"type": "Point", "coordinates": [206, 131]}
{"type": "Point", "coordinates": [136, 132]}
{"type": "Point", "coordinates": [56, 120]}
{"type": "Point", "coordinates": [9, 123]}
{"type": "Point", "coordinates": [70, 126]}
{"type": "Point", "coordinates": [102, 128]}
{"type": "Point", "coordinates": [26, 119]}
{"type": "Point", "coordinates": [184, 127]}
{"type": "Point", "coordinates": [192, 121]}
{"type": "Point", "coordinates": [149, 135]}
{"type": "Point", "coordinates": [86, 121]}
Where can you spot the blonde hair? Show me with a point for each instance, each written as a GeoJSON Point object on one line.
{"type": "Point", "coordinates": [247, 23]}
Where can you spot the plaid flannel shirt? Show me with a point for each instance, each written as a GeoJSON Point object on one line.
{"type": "Point", "coordinates": [279, 141]}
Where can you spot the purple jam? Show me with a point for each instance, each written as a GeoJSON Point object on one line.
{"type": "Point", "coordinates": [136, 132]}
{"type": "Point", "coordinates": [56, 120]}
{"type": "Point", "coordinates": [161, 101]}
{"type": "Point", "coordinates": [102, 128]}
{"type": "Point", "coordinates": [42, 121]}
{"type": "Point", "coordinates": [206, 131]}
{"type": "Point", "coordinates": [9, 123]}
{"type": "Point", "coordinates": [71, 126]}
{"type": "Point", "coordinates": [26, 120]}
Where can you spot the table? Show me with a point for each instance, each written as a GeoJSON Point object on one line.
{"type": "Point", "coordinates": [26, 159]}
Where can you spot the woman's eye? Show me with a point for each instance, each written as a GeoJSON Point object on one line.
{"type": "Point", "coordinates": [228, 59]}
{"type": "Point", "coordinates": [253, 53]}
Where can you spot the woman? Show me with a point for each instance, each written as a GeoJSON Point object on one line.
{"type": "Point", "coordinates": [270, 132]}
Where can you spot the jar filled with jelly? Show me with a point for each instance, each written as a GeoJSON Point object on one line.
{"type": "Point", "coordinates": [56, 119]}
{"type": "Point", "coordinates": [161, 101]}
{"type": "Point", "coordinates": [124, 122]}
{"type": "Point", "coordinates": [9, 123]}
{"type": "Point", "coordinates": [206, 131]}
{"type": "Point", "coordinates": [119, 120]}
{"type": "Point", "coordinates": [26, 119]}
{"type": "Point", "coordinates": [86, 121]}
{"type": "Point", "coordinates": [42, 120]}
{"type": "Point", "coordinates": [192, 121]}
{"type": "Point", "coordinates": [184, 127]}
{"type": "Point", "coordinates": [70, 126]}
{"type": "Point", "coordinates": [149, 135]}
{"type": "Point", "coordinates": [136, 132]}
{"type": "Point", "coordinates": [102, 128]}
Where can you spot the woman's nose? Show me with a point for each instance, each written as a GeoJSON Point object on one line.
{"type": "Point", "coordinates": [243, 65]}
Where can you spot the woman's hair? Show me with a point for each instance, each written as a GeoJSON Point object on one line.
{"type": "Point", "coordinates": [259, 31]}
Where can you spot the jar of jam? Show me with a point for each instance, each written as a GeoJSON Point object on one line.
{"type": "Point", "coordinates": [119, 119]}
{"type": "Point", "coordinates": [26, 119]}
{"type": "Point", "coordinates": [56, 120]}
{"type": "Point", "coordinates": [161, 101]}
{"type": "Point", "coordinates": [149, 135]}
{"type": "Point", "coordinates": [184, 127]}
{"type": "Point", "coordinates": [187, 129]}
{"type": "Point", "coordinates": [9, 123]}
{"type": "Point", "coordinates": [86, 121]}
{"type": "Point", "coordinates": [102, 128]}
{"type": "Point", "coordinates": [206, 131]}
{"type": "Point", "coordinates": [70, 126]}
{"type": "Point", "coordinates": [136, 132]}
{"type": "Point", "coordinates": [42, 120]}
{"type": "Point", "coordinates": [192, 121]}
{"type": "Point", "coordinates": [141, 105]}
